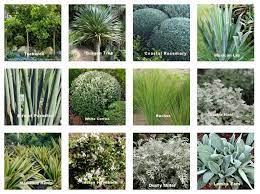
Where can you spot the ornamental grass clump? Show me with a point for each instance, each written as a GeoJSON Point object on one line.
{"type": "Point", "coordinates": [226, 163]}
{"type": "Point", "coordinates": [92, 92]}
{"type": "Point", "coordinates": [162, 163]}
{"type": "Point", "coordinates": [161, 94]}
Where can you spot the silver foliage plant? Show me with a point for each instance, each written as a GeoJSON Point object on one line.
{"type": "Point", "coordinates": [220, 105]}
{"type": "Point", "coordinates": [226, 162]}
{"type": "Point", "coordinates": [162, 162]}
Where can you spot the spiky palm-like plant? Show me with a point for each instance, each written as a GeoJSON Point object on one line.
{"type": "Point", "coordinates": [97, 24]}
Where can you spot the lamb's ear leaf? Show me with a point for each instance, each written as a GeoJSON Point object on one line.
{"type": "Point", "coordinates": [207, 176]}
{"type": "Point", "coordinates": [250, 139]}
{"type": "Point", "coordinates": [244, 177]}
{"type": "Point", "coordinates": [214, 168]}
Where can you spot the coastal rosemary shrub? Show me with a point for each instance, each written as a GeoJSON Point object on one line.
{"type": "Point", "coordinates": [173, 35]}
{"type": "Point", "coordinates": [146, 19]}
{"type": "Point", "coordinates": [97, 161]}
{"type": "Point", "coordinates": [162, 161]}
{"type": "Point", "coordinates": [92, 92]}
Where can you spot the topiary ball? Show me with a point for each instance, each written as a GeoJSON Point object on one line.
{"type": "Point", "coordinates": [92, 92]}
{"type": "Point", "coordinates": [146, 19]}
{"type": "Point", "coordinates": [116, 113]}
{"type": "Point", "coordinates": [181, 10]}
{"type": "Point", "coordinates": [172, 36]}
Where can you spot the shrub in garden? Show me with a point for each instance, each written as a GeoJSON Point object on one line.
{"type": "Point", "coordinates": [146, 19]}
{"type": "Point", "coordinates": [224, 161]}
{"type": "Point", "coordinates": [219, 105]}
{"type": "Point", "coordinates": [177, 10]}
{"type": "Point", "coordinates": [236, 78]}
{"type": "Point", "coordinates": [92, 92]}
{"type": "Point", "coordinates": [162, 161]}
{"type": "Point", "coordinates": [115, 113]}
{"type": "Point", "coordinates": [97, 161]}
{"type": "Point", "coordinates": [173, 35]}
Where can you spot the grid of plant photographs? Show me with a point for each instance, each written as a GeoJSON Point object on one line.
{"type": "Point", "coordinates": [128, 96]}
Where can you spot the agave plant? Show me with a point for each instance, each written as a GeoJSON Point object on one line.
{"type": "Point", "coordinates": [32, 96]}
{"type": "Point", "coordinates": [223, 37]}
{"type": "Point", "coordinates": [222, 161]}
{"type": "Point", "coordinates": [96, 24]}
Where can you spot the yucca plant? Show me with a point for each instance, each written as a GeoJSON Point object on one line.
{"type": "Point", "coordinates": [32, 96]}
{"type": "Point", "coordinates": [96, 25]}
{"type": "Point", "coordinates": [223, 37]}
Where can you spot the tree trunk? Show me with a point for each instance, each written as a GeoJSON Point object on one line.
{"type": "Point", "coordinates": [28, 44]}
{"type": "Point", "coordinates": [54, 43]}
{"type": "Point", "coordinates": [98, 45]}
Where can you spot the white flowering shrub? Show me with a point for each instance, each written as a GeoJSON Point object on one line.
{"type": "Point", "coordinates": [161, 163]}
{"type": "Point", "coordinates": [97, 161]}
{"type": "Point", "coordinates": [220, 105]}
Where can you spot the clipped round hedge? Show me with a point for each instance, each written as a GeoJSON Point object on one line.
{"type": "Point", "coordinates": [177, 10]}
{"type": "Point", "coordinates": [173, 35]}
{"type": "Point", "coordinates": [92, 92]}
{"type": "Point", "coordinates": [116, 113]}
{"type": "Point", "coordinates": [146, 19]}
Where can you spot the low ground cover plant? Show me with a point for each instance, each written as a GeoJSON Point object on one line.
{"type": "Point", "coordinates": [32, 96]}
{"type": "Point", "coordinates": [32, 161]}
{"type": "Point", "coordinates": [226, 97]}
{"type": "Point", "coordinates": [161, 161]}
{"type": "Point", "coordinates": [32, 32]}
{"type": "Point", "coordinates": [97, 96]}
{"type": "Point", "coordinates": [237, 41]}
{"type": "Point", "coordinates": [97, 161]}
{"type": "Point", "coordinates": [226, 161]}
{"type": "Point", "coordinates": [161, 32]}
{"type": "Point", "coordinates": [161, 97]}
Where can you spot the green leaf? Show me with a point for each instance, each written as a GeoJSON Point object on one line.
{"type": "Point", "coordinates": [207, 176]}
{"type": "Point", "coordinates": [230, 171]}
{"type": "Point", "coordinates": [250, 139]}
{"type": "Point", "coordinates": [244, 177]}
{"type": "Point", "coordinates": [214, 167]}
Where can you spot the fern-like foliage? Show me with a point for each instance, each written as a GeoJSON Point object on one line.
{"type": "Point", "coordinates": [161, 163]}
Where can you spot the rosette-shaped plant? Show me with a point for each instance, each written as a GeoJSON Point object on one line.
{"type": "Point", "coordinates": [92, 92]}
{"type": "Point", "coordinates": [173, 35]}
{"type": "Point", "coordinates": [146, 19]}
{"type": "Point", "coordinates": [224, 161]}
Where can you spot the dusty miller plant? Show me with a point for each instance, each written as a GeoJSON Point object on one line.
{"type": "Point", "coordinates": [219, 105]}
{"type": "Point", "coordinates": [160, 161]}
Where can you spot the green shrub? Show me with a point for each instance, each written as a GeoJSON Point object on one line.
{"type": "Point", "coordinates": [97, 161]}
{"type": "Point", "coordinates": [222, 160]}
{"type": "Point", "coordinates": [92, 92]}
{"type": "Point", "coordinates": [173, 35]}
{"type": "Point", "coordinates": [116, 113]}
{"type": "Point", "coordinates": [146, 19]}
{"type": "Point", "coordinates": [177, 10]}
